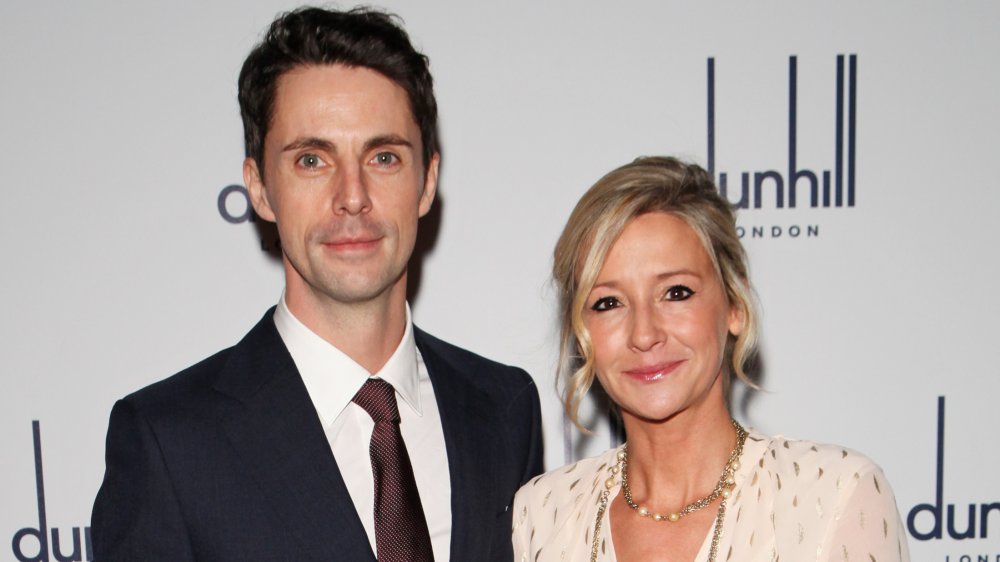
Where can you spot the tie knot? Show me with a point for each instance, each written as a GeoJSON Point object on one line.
{"type": "Point", "coordinates": [378, 398]}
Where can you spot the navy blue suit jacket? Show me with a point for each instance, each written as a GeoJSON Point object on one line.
{"type": "Point", "coordinates": [228, 461]}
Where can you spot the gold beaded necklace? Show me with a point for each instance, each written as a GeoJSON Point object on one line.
{"type": "Point", "coordinates": [723, 488]}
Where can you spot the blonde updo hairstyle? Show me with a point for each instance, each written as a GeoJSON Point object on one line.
{"type": "Point", "coordinates": [647, 185]}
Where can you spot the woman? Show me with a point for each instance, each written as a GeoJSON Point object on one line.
{"type": "Point", "coordinates": [656, 303]}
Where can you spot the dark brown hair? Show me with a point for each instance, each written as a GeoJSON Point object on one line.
{"type": "Point", "coordinates": [361, 37]}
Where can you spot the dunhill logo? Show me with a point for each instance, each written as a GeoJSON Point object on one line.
{"type": "Point", "coordinates": [235, 208]}
{"type": "Point", "coordinates": [244, 211]}
{"type": "Point", "coordinates": [40, 534]}
{"type": "Point", "coordinates": [938, 509]}
{"type": "Point", "coordinates": [827, 188]}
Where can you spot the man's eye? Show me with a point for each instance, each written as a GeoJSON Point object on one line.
{"type": "Point", "coordinates": [385, 159]}
{"type": "Point", "coordinates": [310, 161]}
{"type": "Point", "coordinates": [607, 303]}
{"type": "Point", "coordinates": [678, 293]}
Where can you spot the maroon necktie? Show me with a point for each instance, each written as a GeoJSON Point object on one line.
{"type": "Point", "coordinates": [400, 527]}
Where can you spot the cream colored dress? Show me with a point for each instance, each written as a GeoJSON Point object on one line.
{"type": "Point", "coordinates": [794, 501]}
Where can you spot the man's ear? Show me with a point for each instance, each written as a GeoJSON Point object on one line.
{"type": "Point", "coordinates": [430, 185]}
{"type": "Point", "coordinates": [258, 193]}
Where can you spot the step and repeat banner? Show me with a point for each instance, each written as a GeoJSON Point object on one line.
{"type": "Point", "coordinates": [855, 139]}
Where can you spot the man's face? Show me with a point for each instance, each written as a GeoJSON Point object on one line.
{"type": "Point", "coordinates": [344, 181]}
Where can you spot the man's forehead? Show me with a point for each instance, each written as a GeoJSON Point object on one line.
{"type": "Point", "coordinates": [348, 95]}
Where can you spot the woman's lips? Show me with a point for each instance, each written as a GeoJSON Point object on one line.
{"type": "Point", "coordinates": [651, 373]}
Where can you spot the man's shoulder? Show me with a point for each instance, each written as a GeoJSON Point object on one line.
{"type": "Point", "coordinates": [461, 358]}
{"type": "Point", "coordinates": [446, 361]}
{"type": "Point", "coordinates": [184, 385]}
{"type": "Point", "coordinates": [191, 387]}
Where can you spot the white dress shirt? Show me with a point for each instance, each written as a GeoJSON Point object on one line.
{"type": "Point", "coordinates": [332, 379]}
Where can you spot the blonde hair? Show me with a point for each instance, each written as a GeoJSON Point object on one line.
{"type": "Point", "coordinates": [647, 185]}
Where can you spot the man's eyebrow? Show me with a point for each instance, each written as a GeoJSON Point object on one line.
{"type": "Point", "coordinates": [387, 140]}
{"type": "Point", "coordinates": [325, 145]}
{"type": "Point", "coordinates": [310, 142]}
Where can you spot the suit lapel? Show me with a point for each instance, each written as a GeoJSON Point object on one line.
{"type": "Point", "coordinates": [471, 443]}
{"type": "Point", "coordinates": [274, 428]}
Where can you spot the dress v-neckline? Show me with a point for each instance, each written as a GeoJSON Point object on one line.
{"type": "Point", "coordinates": [755, 446]}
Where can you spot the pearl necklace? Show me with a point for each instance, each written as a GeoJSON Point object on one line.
{"type": "Point", "coordinates": [723, 488]}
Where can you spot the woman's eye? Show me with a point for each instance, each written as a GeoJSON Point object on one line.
{"type": "Point", "coordinates": [678, 293]}
{"type": "Point", "coordinates": [385, 159]}
{"type": "Point", "coordinates": [310, 161]}
{"type": "Point", "coordinates": [607, 303]}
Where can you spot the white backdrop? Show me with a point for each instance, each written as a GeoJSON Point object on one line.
{"type": "Point", "coordinates": [119, 129]}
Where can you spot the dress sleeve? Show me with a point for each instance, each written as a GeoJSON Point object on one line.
{"type": "Point", "coordinates": [868, 527]}
{"type": "Point", "coordinates": [521, 529]}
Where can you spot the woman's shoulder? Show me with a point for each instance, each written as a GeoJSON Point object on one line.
{"type": "Point", "coordinates": [829, 491]}
{"type": "Point", "coordinates": [581, 478]}
{"type": "Point", "coordinates": [799, 454]}
{"type": "Point", "coordinates": [555, 511]}
{"type": "Point", "coordinates": [800, 463]}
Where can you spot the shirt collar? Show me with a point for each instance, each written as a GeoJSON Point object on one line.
{"type": "Point", "coordinates": [332, 378]}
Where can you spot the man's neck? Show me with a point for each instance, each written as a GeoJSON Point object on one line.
{"type": "Point", "coordinates": [368, 332]}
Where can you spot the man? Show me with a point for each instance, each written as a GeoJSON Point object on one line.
{"type": "Point", "coordinates": [287, 445]}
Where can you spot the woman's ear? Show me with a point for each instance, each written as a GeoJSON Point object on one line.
{"type": "Point", "coordinates": [737, 319]}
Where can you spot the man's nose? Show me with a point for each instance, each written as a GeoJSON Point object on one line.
{"type": "Point", "coordinates": [351, 193]}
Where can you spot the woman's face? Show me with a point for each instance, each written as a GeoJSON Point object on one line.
{"type": "Point", "coordinates": [658, 318]}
